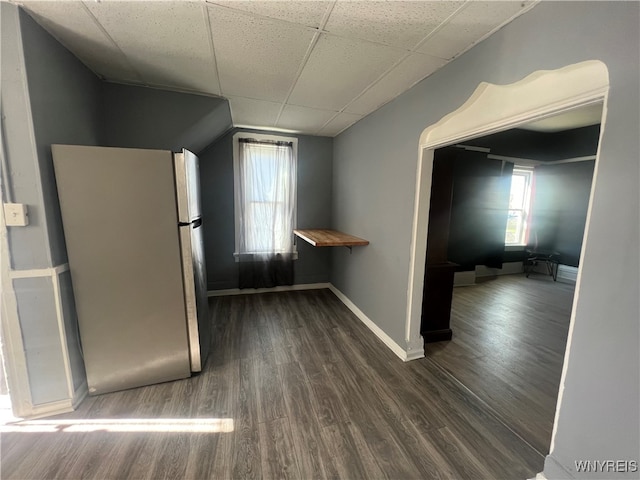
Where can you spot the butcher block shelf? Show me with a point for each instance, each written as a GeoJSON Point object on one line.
{"type": "Point", "coordinates": [330, 238]}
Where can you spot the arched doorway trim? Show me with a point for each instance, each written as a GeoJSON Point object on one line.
{"type": "Point", "coordinates": [490, 109]}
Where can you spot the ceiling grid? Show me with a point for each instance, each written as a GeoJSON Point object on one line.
{"type": "Point", "coordinates": [311, 67]}
{"type": "Point", "coordinates": [312, 45]}
{"type": "Point", "coordinates": [207, 22]}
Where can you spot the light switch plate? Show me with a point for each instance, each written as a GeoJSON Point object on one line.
{"type": "Point", "coordinates": [16, 215]}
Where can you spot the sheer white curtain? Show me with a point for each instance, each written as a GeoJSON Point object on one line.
{"type": "Point", "coordinates": [266, 196]}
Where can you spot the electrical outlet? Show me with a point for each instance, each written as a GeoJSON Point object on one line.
{"type": "Point", "coordinates": [16, 215]}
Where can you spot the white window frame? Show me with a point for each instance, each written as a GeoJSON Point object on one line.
{"type": "Point", "coordinates": [528, 172]}
{"type": "Point", "coordinates": [236, 182]}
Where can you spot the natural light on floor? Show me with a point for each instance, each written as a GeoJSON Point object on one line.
{"type": "Point", "coordinates": [187, 425]}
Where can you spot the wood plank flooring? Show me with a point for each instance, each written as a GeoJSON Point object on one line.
{"type": "Point", "coordinates": [310, 392]}
{"type": "Point", "coordinates": [509, 338]}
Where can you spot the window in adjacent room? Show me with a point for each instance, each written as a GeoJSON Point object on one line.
{"type": "Point", "coordinates": [519, 203]}
{"type": "Point", "coordinates": [265, 194]}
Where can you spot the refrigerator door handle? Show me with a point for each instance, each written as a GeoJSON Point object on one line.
{"type": "Point", "coordinates": [195, 224]}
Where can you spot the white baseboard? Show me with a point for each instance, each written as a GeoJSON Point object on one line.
{"type": "Point", "coordinates": [386, 339]}
{"type": "Point", "coordinates": [61, 406]}
{"type": "Point", "coordinates": [567, 273]}
{"type": "Point", "coordinates": [508, 268]}
{"type": "Point", "coordinates": [464, 279]}
{"type": "Point", "coordinates": [51, 408]}
{"type": "Point", "coordinates": [414, 351]}
{"type": "Point", "coordinates": [284, 288]}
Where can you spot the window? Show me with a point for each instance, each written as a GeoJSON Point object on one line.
{"type": "Point", "coordinates": [519, 202]}
{"type": "Point", "coordinates": [265, 194]}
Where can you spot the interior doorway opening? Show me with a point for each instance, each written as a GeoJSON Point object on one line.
{"type": "Point", "coordinates": [491, 109]}
{"type": "Point", "coordinates": [510, 327]}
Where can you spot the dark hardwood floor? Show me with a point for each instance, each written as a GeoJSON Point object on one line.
{"type": "Point", "coordinates": [508, 348]}
{"type": "Point", "coordinates": [297, 387]}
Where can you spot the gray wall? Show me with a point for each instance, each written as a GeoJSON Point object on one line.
{"type": "Point", "coordinates": [374, 185]}
{"type": "Point", "coordinates": [543, 146]}
{"type": "Point", "coordinates": [48, 97]}
{"type": "Point", "coordinates": [141, 117]}
{"type": "Point", "coordinates": [559, 212]}
{"type": "Point", "coordinates": [64, 107]}
{"type": "Point", "coordinates": [45, 362]}
{"type": "Point", "coordinates": [314, 209]}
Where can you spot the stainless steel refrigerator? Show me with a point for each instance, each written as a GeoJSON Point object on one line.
{"type": "Point", "coordinates": [133, 232]}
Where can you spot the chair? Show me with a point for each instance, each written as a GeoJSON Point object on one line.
{"type": "Point", "coordinates": [535, 256]}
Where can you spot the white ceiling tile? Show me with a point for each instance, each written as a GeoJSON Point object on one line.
{"type": "Point", "coordinates": [398, 23]}
{"type": "Point", "coordinates": [167, 42]}
{"type": "Point", "coordinates": [304, 119]}
{"type": "Point", "coordinates": [339, 123]}
{"type": "Point", "coordinates": [263, 49]}
{"type": "Point", "coordinates": [309, 13]}
{"type": "Point", "coordinates": [339, 69]}
{"type": "Point", "coordinates": [257, 57]}
{"type": "Point", "coordinates": [468, 26]}
{"type": "Point", "coordinates": [410, 71]}
{"type": "Point", "coordinates": [73, 26]}
{"type": "Point", "coordinates": [251, 112]}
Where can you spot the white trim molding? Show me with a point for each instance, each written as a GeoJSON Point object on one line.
{"type": "Point", "coordinates": [544, 93]}
{"type": "Point", "coordinates": [491, 109]}
{"type": "Point", "coordinates": [26, 408]}
{"type": "Point", "coordinates": [12, 345]}
{"type": "Point", "coordinates": [61, 406]}
{"type": "Point", "coordinates": [50, 408]}
{"type": "Point", "coordinates": [39, 272]}
{"type": "Point", "coordinates": [386, 339]}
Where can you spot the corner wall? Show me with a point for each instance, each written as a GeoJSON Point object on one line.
{"type": "Point", "coordinates": [142, 117]}
{"type": "Point", "coordinates": [48, 97]}
{"type": "Point", "coordinates": [374, 174]}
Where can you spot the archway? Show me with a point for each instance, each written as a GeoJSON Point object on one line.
{"type": "Point", "coordinates": [490, 109]}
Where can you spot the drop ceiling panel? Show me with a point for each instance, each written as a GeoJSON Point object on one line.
{"type": "Point", "coordinates": [309, 13]}
{"type": "Point", "coordinates": [257, 57]}
{"type": "Point", "coordinates": [400, 23]}
{"type": "Point", "coordinates": [339, 123]}
{"type": "Point", "coordinates": [410, 71]}
{"type": "Point", "coordinates": [168, 47]}
{"type": "Point", "coordinates": [304, 119]}
{"type": "Point", "coordinates": [339, 69]}
{"type": "Point", "coordinates": [74, 27]}
{"type": "Point", "coordinates": [469, 25]}
{"type": "Point", "coordinates": [273, 58]}
{"type": "Point", "coordinates": [257, 113]}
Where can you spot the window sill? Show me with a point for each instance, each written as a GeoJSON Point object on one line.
{"type": "Point", "coordinates": [514, 247]}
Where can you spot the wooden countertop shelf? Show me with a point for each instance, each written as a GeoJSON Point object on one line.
{"type": "Point", "coordinates": [329, 238]}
